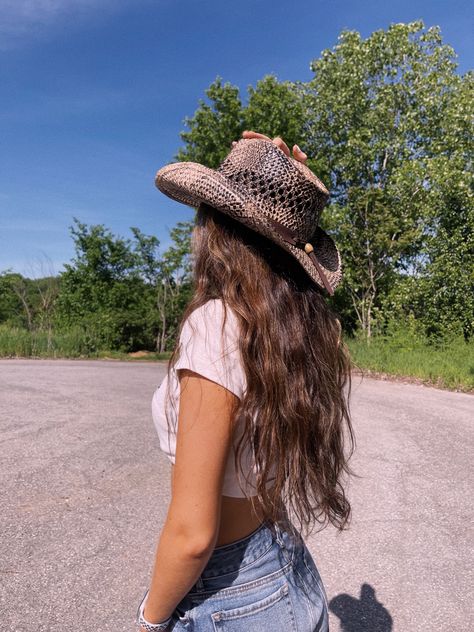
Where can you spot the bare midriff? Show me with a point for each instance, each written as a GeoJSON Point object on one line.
{"type": "Point", "coordinates": [237, 518]}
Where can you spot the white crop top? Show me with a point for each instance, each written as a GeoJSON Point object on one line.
{"type": "Point", "coordinates": [204, 351]}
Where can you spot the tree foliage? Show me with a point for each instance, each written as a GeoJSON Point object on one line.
{"type": "Point", "coordinates": [122, 291]}
{"type": "Point", "coordinates": [376, 112]}
{"type": "Point", "coordinates": [387, 124]}
{"type": "Point", "coordinates": [28, 303]}
{"type": "Point", "coordinates": [274, 108]}
{"type": "Point", "coordinates": [213, 127]}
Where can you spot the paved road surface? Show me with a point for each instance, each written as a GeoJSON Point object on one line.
{"type": "Point", "coordinates": [85, 492]}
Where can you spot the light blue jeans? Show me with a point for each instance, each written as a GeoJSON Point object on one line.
{"type": "Point", "coordinates": [267, 581]}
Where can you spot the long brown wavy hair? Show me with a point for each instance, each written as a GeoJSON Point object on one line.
{"type": "Point", "coordinates": [297, 366]}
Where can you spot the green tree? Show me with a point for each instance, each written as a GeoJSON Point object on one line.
{"type": "Point", "coordinates": [273, 108]}
{"type": "Point", "coordinates": [446, 288]}
{"type": "Point", "coordinates": [170, 277]}
{"type": "Point", "coordinates": [28, 303]}
{"type": "Point", "coordinates": [121, 292]}
{"type": "Point", "coordinates": [374, 113]}
{"type": "Point", "coordinates": [387, 123]}
{"type": "Point", "coordinates": [102, 290]}
{"type": "Point", "coordinates": [174, 283]}
{"type": "Point", "coordinates": [213, 127]}
{"type": "Point", "coordinates": [15, 305]}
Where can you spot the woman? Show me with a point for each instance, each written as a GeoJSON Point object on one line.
{"type": "Point", "coordinates": [252, 412]}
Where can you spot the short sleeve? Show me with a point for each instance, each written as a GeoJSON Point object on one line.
{"type": "Point", "coordinates": [207, 351]}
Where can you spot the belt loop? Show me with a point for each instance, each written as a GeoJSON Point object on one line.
{"type": "Point", "coordinates": [287, 551]}
{"type": "Point", "coordinates": [199, 584]}
{"type": "Point", "coordinates": [278, 535]}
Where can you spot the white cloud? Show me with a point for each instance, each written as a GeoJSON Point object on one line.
{"type": "Point", "coordinates": [23, 20]}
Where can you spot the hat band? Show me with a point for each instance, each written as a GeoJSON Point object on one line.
{"type": "Point", "coordinates": [290, 236]}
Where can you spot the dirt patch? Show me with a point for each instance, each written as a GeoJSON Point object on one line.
{"type": "Point", "coordinates": [140, 354]}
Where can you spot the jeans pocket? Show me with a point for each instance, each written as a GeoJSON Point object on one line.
{"type": "Point", "coordinates": [273, 612]}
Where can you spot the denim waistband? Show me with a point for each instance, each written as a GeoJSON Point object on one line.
{"type": "Point", "coordinates": [240, 553]}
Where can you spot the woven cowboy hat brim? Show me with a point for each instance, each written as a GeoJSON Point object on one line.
{"type": "Point", "coordinates": [192, 183]}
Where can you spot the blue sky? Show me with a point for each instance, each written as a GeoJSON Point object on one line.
{"type": "Point", "coordinates": [94, 95]}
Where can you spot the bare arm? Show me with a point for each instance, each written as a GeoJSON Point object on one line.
{"type": "Point", "coordinates": [192, 523]}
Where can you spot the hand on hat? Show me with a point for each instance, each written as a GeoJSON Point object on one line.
{"type": "Point", "coordinates": [279, 142]}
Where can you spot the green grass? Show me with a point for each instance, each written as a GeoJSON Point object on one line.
{"type": "Point", "coordinates": [20, 343]}
{"type": "Point", "coordinates": [447, 365]}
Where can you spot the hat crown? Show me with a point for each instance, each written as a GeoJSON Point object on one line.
{"type": "Point", "coordinates": [277, 196]}
{"type": "Point", "coordinates": [282, 187]}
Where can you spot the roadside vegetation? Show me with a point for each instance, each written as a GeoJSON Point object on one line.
{"type": "Point", "coordinates": [387, 124]}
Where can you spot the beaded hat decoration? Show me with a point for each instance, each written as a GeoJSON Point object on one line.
{"type": "Point", "coordinates": [268, 191]}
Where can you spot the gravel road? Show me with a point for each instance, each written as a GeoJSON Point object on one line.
{"type": "Point", "coordinates": [86, 488]}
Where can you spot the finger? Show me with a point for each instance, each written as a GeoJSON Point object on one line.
{"type": "Point", "coordinates": [298, 154]}
{"type": "Point", "coordinates": [252, 134]}
{"type": "Point", "coordinates": [279, 142]}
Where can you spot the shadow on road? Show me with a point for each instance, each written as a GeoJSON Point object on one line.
{"type": "Point", "coordinates": [361, 615]}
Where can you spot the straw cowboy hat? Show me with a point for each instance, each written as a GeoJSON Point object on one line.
{"type": "Point", "coordinates": [268, 191]}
